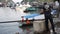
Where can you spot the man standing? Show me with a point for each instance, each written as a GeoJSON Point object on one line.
{"type": "Point", "coordinates": [57, 7]}
{"type": "Point", "coordinates": [48, 16]}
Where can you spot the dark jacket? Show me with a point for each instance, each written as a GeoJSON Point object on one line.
{"type": "Point", "coordinates": [47, 11]}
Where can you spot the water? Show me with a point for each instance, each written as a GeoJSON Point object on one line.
{"type": "Point", "coordinates": [7, 14]}
{"type": "Point", "coordinates": [10, 28]}
{"type": "Point", "coordinates": [13, 28]}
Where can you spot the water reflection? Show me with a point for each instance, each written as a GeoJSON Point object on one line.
{"type": "Point", "coordinates": [10, 28]}
{"type": "Point", "coordinates": [13, 28]}
{"type": "Point", "coordinates": [28, 29]}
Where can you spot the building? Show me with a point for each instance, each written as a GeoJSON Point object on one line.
{"type": "Point", "coordinates": [38, 0]}
{"type": "Point", "coordinates": [7, 2]}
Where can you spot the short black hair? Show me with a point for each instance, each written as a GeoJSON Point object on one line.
{"type": "Point", "coordinates": [45, 3]}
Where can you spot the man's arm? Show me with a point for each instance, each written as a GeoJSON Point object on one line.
{"type": "Point", "coordinates": [41, 11]}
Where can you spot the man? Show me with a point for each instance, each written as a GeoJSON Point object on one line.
{"type": "Point", "coordinates": [57, 4]}
{"type": "Point", "coordinates": [27, 21]}
{"type": "Point", "coordinates": [22, 18]}
{"type": "Point", "coordinates": [48, 16]}
{"type": "Point", "coordinates": [57, 7]}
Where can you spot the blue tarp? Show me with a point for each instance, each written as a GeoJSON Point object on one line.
{"type": "Point", "coordinates": [54, 11]}
{"type": "Point", "coordinates": [31, 16]}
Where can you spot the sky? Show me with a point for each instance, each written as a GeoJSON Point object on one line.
{"type": "Point", "coordinates": [17, 0]}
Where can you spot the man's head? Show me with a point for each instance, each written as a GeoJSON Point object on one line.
{"type": "Point", "coordinates": [45, 3]}
{"type": "Point", "coordinates": [46, 6]}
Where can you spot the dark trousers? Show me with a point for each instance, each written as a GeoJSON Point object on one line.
{"type": "Point", "coordinates": [49, 17]}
